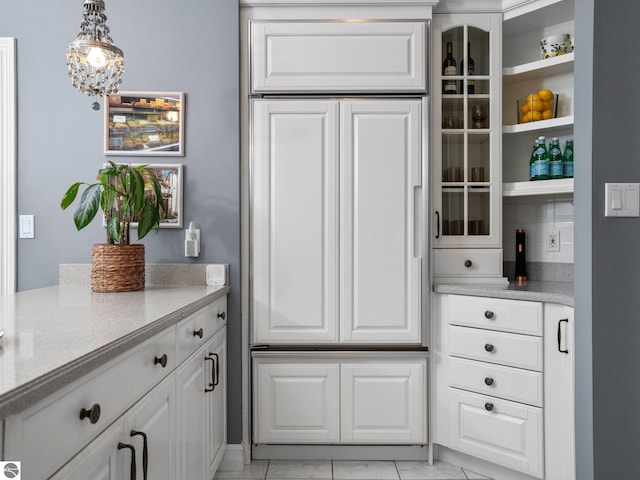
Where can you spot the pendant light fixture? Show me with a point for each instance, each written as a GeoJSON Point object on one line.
{"type": "Point", "coordinates": [95, 64]}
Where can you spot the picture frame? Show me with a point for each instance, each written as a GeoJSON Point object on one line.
{"type": "Point", "coordinates": [171, 180]}
{"type": "Point", "coordinates": [144, 123]}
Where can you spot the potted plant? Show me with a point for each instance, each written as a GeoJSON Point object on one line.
{"type": "Point", "coordinates": [125, 194]}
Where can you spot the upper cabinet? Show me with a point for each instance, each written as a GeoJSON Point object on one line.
{"type": "Point", "coordinates": [528, 70]}
{"type": "Point", "coordinates": [317, 56]}
{"type": "Point", "coordinates": [466, 149]}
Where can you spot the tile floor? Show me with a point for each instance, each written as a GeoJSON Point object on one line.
{"type": "Point", "coordinates": [348, 470]}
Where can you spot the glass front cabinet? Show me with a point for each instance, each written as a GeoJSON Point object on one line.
{"type": "Point", "coordinates": [467, 125]}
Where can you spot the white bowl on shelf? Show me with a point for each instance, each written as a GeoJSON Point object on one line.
{"type": "Point", "coordinates": [555, 45]}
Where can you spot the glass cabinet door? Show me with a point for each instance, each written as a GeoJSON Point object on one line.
{"type": "Point", "coordinates": [467, 117]}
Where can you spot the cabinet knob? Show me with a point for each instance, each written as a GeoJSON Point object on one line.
{"type": "Point", "coordinates": [161, 360]}
{"type": "Point", "coordinates": [488, 347]}
{"type": "Point", "coordinates": [93, 414]}
{"type": "Point", "coordinates": [198, 333]}
{"type": "Point", "coordinates": [488, 381]}
{"type": "Point", "coordinates": [488, 314]}
{"type": "Point", "coordinates": [222, 315]}
{"type": "Point", "coordinates": [488, 406]}
{"type": "Point", "coordinates": [468, 263]}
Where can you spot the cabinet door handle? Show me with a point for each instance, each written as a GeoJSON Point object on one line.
{"type": "Point", "coordinates": [212, 385]}
{"type": "Point", "coordinates": [560, 335]}
{"type": "Point", "coordinates": [468, 263]}
{"type": "Point", "coordinates": [161, 360]}
{"type": "Point", "coordinates": [488, 314]}
{"type": "Point", "coordinates": [222, 315]}
{"type": "Point", "coordinates": [93, 414]}
{"type": "Point", "coordinates": [145, 453]}
{"type": "Point", "coordinates": [216, 379]}
{"type": "Point", "coordinates": [133, 458]}
{"type": "Point", "coordinates": [488, 381]}
{"type": "Point", "coordinates": [437, 224]}
{"type": "Point", "coordinates": [488, 347]}
{"type": "Point", "coordinates": [488, 406]}
{"type": "Point", "coordinates": [198, 333]}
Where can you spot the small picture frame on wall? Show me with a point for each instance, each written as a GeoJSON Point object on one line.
{"type": "Point", "coordinates": [144, 123]}
{"type": "Point", "coordinates": [171, 182]}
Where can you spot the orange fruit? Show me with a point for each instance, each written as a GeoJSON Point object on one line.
{"type": "Point", "coordinates": [537, 115]}
{"type": "Point", "coordinates": [547, 114]}
{"type": "Point", "coordinates": [532, 97]}
{"type": "Point", "coordinates": [538, 106]}
{"type": "Point", "coordinates": [524, 108]}
{"type": "Point", "coordinates": [527, 117]}
{"type": "Point", "coordinates": [545, 94]}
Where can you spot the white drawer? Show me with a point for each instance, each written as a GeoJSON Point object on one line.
{"type": "Point", "coordinates": [46, 435]}
{"type": "Point", "coordinates": [522, 351]}
{"type": "Point", "coordinates": [509, 383]}
{"type": "Point", "coordinates": [496, 314]}
{"type": "Point", "coordinates": [460, 262]}
{"type": "Point", "coordinates": [195, 330]}
{"type": "Point", "coordinates": [507, 433]}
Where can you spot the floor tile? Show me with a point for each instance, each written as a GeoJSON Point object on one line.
{"type": "Point", "coordinates": [423, 471]}
{"type": "Point", "coordinates": [299, 469]}
{"type": "Point", "coordinates": [256, 470]}
{"type": "Point", "coordinates": [364, 470]}
{"type": "Point", "coordinates": [474, 476]}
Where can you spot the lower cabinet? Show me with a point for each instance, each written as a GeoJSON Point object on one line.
{"type": "Point", "coordinates": [328, 399]}
{"type": "Point", "coordinates": [137, 417]}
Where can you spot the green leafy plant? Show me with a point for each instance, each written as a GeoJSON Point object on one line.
{"type": "Point", "coordinates": [125, 194]}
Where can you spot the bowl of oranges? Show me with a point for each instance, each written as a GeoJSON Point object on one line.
{"type": "Point", "coordinates": [542, 105]}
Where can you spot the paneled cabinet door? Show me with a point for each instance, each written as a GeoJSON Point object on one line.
{"type": "Point", "coordinates": [295, 221]}
{"type": "Point", "coordinates": [559, 393]}
{"type": "Point", "coordinates": [296, 403]}
{"type": "Point", "coordinates": [100, 460]}
{"type": "Point", "coordinates": [152, 420]}
{"type": "Point", "coordinates": [380, 180]}
{"type": "Point", "coordinates": [215, 398]}
{"type": "Point", "coordinates": [383, 403]}
{"type": "Point", "coordinates": [191, 415]}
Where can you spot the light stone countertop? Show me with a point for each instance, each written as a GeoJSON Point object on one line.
{"type": "Point", "coordinates": [56, 335]}
{"type": "Point", "coordinates": [534, 291]}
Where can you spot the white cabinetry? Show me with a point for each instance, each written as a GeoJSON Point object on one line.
{"type": "Point", "coordinates": [503, 384]}
{"type": "Point", "coordinates": [324, 210]}
{"type": "Point", "coordinates": [133, 410]}
{"type": "Point", "coordinates": [336, 56]}
{"type": "Point", "coordinates": [335, 399]}
{"type": "Point", "coordinates": [467, 181]}
{"type": "Point", "coordinates": [524, 73]}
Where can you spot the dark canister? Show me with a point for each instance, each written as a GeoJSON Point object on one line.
{"type": "Point", "coordinates": [521, 263]}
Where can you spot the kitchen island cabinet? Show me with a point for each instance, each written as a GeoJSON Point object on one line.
{"type": "Point", "coordinates": [112, 381]}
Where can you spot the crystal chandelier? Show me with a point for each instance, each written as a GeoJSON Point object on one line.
{"type": "Point", "coordinates": [95, 64]}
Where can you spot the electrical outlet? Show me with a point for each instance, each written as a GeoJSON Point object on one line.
{"type": "Point", "coordinates": [553, 241]}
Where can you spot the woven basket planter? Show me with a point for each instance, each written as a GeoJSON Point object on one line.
{"type": "Point", "coordinates": [117, 268]}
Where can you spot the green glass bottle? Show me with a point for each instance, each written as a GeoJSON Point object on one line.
{"type": "Point", "coordinates": [540, 166]}
{"type": "Point", "coordinates": [532, 162]}
{"type": "Point", "coordinates": [555, 159]}
{"type": "Point", "coordinates": [567, 160]}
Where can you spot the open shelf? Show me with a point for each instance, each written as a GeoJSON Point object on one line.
{"type": "Point", "coordinates": [538, 69]}
{"type": "Point", "coordinates": [539, 126]}
{"type": "Point", "coordinates": [539, 187]}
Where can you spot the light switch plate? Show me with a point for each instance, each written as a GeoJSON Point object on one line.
{"type": "Point", "coordinates": [622, 199]}
{"type": "Point", "coordinates": [27, 226]}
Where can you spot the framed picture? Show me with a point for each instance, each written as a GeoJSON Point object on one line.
{"type": "Point", "coordinates": [170, 178]}
{"type": "Point", "coordinates": [144, 123]}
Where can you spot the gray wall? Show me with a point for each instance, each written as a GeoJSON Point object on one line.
{"type": "Point", "coordinates": [608, 258]}
{"type": "Point", "coordinates": [189, 46]}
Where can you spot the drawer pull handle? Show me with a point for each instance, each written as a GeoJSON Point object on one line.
{"type": "Point", "coordinates": [488, 347]}
{"type": "Point", "coordinates": [145, 452]}
{"type": "Point", "coordinates": [222, 315]}
{"type": "Point", "coordinates": [488, 406]}
{"type": "Point", "coordinates": [198, 333]}
{"type": "Point", "coordinates": [488, 381]}
{"type": "Point", "coordinates": [161, 360]}
{"type": "Point", "coordinates": [437, 225]}
{"type": "Point", "coordinates": [468, 263]}
{"type": "Point", "coordinates": [216, 379]}
{"type": "Point", "coordinates": [488, 314]}
{"type": "Point", "coordinates": [133, 458]}
{"type": "Point", "coordinates": [93, 414]}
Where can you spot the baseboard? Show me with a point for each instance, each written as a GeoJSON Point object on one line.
{"type": "Point", "coordinates": [233, 460]}
{"type": "Point", "coordinates": [477, 465]}
{"type": "Point", "coordinates": [340, 452]}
